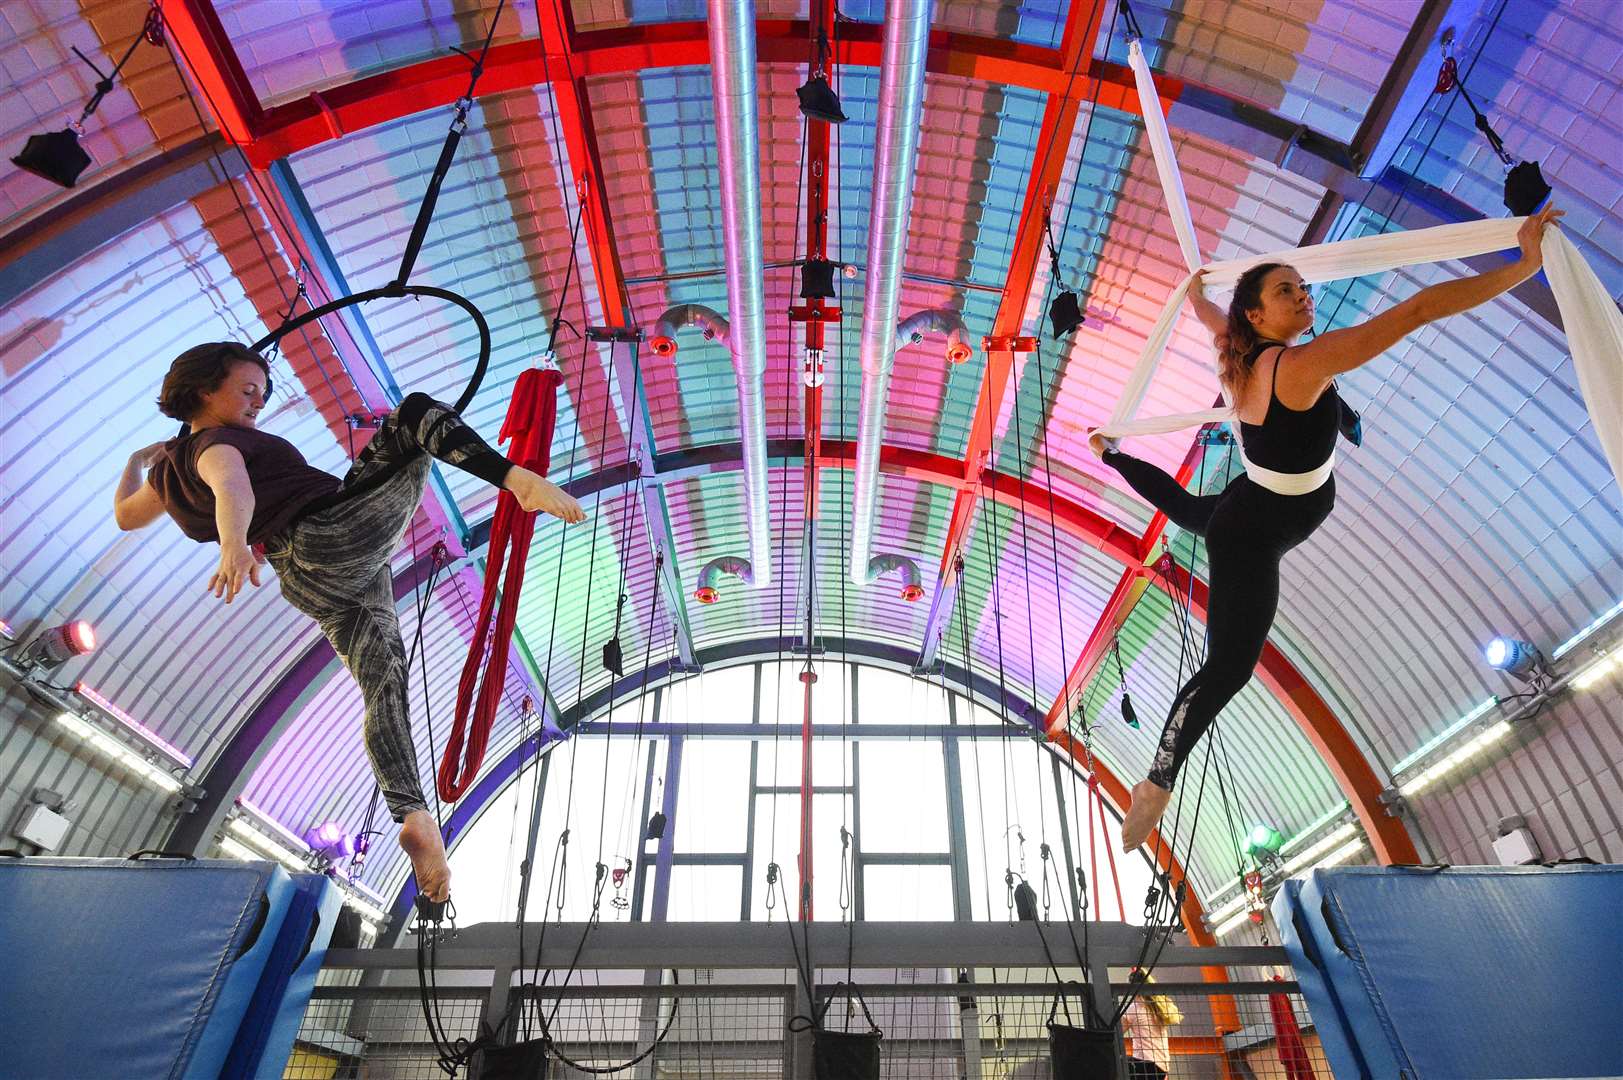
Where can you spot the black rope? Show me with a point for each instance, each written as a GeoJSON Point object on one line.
{"type": "Point", "coordinates": [151, 32]}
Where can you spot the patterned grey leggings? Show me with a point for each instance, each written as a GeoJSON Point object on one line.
{"type": "Point", "coordinates": [334, 566]}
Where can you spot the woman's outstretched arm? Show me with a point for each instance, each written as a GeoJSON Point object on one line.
{"type": "Point", "coordinates": [1314, 364]}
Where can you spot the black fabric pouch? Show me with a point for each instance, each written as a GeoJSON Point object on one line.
{"type": "Point", "coordinates": [846, 1055]}
{"type": "Point", "coordinates": [521, 1061]}
{"type": "Point", "coordinates": [1082, 1053]}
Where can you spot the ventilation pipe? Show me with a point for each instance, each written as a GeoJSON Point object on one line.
{"type": "Point", "coordinates": [911, 331]}
{"type": "Point", "coordinates": [681, 315]}
{"type": "Point", "coordinates": [901, 103]}
{"type": "Point", "coordinates": [710, 576]}
{"type": "Point", "coordinates": [904, 568]}
{"type": "Point", "coordinates": [733, 89]}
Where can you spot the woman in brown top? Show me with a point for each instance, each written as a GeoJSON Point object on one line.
{"type": "Point", "coordinates": [330, 541]}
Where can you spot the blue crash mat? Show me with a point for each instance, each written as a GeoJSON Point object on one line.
{"type": "Point", "coordinates": [265, 1038]}
{"type": "Point", "coordinates": [131, 969]}
{"type": "Point", "coordinates": [1461, 973]}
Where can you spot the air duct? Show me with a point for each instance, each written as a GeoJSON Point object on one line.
{"type": "Point", "coordinates": [905, 569]}
{"type": "Point", "coordinates": [911, 331]}
{"type": "Point", "coordinates": [677, 316]}
{"type": "Point", "coordinates": [710, 577]}
{"type": "Point", "coordinates": [733, 89]}
{"type": "Point", "coordinates": [901, 104]}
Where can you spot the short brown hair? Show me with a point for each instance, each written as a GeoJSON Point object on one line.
{"type": "Point", "coordinates": [200, 370]}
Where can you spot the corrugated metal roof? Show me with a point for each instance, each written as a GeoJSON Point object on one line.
{"type": "Point", "coordinates": [1480, 503]}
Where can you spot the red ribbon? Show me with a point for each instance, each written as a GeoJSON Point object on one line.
{"type": "Point", "coordinates": [1288, 1038]}
{"type": "Point", "coordinates": [531, 416]}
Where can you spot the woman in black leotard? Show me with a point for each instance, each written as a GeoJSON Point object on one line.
{"type": "Point", "coordinates": [1284, 395]}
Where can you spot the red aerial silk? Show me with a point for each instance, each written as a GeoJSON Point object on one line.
{"type": "Point", "coordinates": [530, 419]}
{"type": "Point", "coordinates": [1288, 1038]}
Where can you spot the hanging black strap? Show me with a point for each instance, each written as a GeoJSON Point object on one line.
{"type": "Point", "coordinates": [425, 212]}
{"type": "Point", "coordinates": [1134, 31]}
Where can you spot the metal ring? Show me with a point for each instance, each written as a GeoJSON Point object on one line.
{"type": "Point", "coordinates": [390, 291]}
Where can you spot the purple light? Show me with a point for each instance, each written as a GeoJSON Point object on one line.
{"type": "Point", "coordinates": [330, 839]}
{"type": "Point", "coordinates": [146, 733]}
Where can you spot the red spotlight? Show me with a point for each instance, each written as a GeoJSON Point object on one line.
{"type": "Point", "coordinates": [704, 594]}
{"type": "Point", "coordinates": [81, 637]}
{"type": "Point", "coordinates": [662, 345]}
{"type": "Point", "coordinates": [51, 648]}
{"type": "Point", "coordinates": [912, 593]}
{"type": "Point", "coordinates": [959, 352]}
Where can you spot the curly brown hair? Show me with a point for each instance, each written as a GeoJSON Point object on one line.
{"type": "Point", "coordinates": [200, 370]}
{"type": "Point", "coordinates": [1241, 337]}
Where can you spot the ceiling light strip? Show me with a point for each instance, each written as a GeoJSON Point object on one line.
{"type": "Point", "coordinates": [1593, 628]}
{"type": "Point", "coordinates": [1582, 681]}
{"type": "Point", "coordinates": [146, 734]}
{"type": "Point", "coordinates": [120, 751]}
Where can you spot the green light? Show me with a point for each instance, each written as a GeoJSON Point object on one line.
{"type": "Point", "coordinates": [1264, 839]}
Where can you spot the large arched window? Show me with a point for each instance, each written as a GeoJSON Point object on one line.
{"type": "Point", "coordinates": [922, 804]}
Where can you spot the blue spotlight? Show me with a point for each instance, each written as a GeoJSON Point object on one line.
{"type": "Point", "coordinates": [1517, 658]}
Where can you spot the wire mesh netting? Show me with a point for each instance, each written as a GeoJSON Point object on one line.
{"type": "Point", "coordinates": [691, 1029]}
{"type": "Point", "coordinates": [721, 1025]}
{"type": "Point", "coordinates": [350, 1033]}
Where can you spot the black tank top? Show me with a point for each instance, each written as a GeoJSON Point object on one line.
{"type": "Point", "coordinates": [1291, 440]}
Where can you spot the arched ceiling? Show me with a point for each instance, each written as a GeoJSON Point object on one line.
{"type": "Point", "coordinates": [1479, 503]}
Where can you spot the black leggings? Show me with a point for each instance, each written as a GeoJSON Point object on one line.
{"type": "Point", "coordinates": [1248, 529]}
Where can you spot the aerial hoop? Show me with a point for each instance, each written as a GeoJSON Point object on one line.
{"type": "Point", "coordinates": [395, 289]}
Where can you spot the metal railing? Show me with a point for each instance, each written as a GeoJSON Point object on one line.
{"type": "Point", "coordinates": [732, 1017]}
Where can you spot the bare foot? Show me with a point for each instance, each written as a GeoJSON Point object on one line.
{"type": "Point", "coordinates": [535, 492]}
{"type": "Point", "coordinates": [421, 841]}
{"type": "Point", "coordinates": [1149, 803]}
{"type": "Point", "coordinates": [1099, 444]}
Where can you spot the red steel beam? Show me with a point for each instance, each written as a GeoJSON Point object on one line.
{"type": "Point", "coordinates": [198, 37]}
{"type": "Point", "coordinates": [820, 33]}
{"type": "Point", "coordinates": [329, 114]}
{"type": "Point", "coordinates": [194, 30]}
{"type": "Point", "coordinates": [819, 30]}
{"type": "Point", "coordinates": [1121, 603]}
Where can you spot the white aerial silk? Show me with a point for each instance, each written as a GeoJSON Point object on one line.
{"type": "Point", "coordinates": [1593, 323]}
